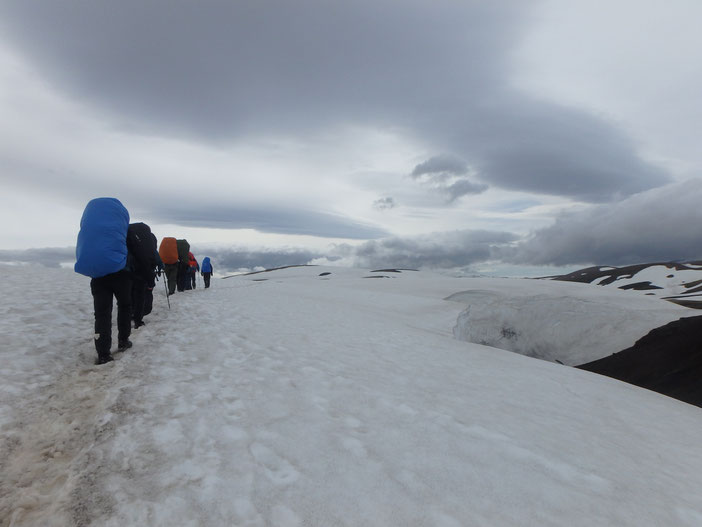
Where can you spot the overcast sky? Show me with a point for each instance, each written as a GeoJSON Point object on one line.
{"type": "Point", "coordinates": [373, 132]}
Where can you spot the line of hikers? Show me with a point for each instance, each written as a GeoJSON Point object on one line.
{"type": "Point", "coordinates": [123, 261]}
{"type": "Point", "coordinates": [181, 267]}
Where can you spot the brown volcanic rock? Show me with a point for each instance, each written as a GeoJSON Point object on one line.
{"type": "Point", "coordinates": [668, 360]}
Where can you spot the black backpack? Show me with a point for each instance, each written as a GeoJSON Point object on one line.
{"type": "Point", "coordinates": [183, 250]}
{"type": "Point", "coordinates": [142, 249]}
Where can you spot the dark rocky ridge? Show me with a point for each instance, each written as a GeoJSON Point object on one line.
{"type": "Point", "coordinates": [668, 360]}
{"type": "Point", "coordinates": [611, 274]}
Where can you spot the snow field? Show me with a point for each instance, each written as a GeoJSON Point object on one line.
{"type": "Point", "coordinates": [307, 400]}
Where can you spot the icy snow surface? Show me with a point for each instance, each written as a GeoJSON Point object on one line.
{"type": "Point", "coordinates": [559, 321]}
{"type": "Point", "coordinates": [323, 401]}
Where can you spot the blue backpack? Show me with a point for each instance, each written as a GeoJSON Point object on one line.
{"type": "Point", "coordinates": [102, 239]}
{"type": "Point", "coordinates": [206, 266]}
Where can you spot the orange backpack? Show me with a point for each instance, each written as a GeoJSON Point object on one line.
{"type": "Point", "coordinates": [168, 251]}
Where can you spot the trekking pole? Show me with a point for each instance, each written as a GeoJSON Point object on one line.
{"type": "Point", "coordinates": [166, 286]}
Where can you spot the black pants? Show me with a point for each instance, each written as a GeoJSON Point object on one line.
{"type": "Point", "coordinates": [206, 278]}
{"type": "Point", "coordinates": [193, 276]}
{"type": "Point", "coordinates": [171, 271]}
{"type": "Point", "coordinates": [148, 300]}
{"type": "Point", "coordinates": [119, 285]}
{"type": "Point", "coordinates": [183, 281]}
{"type": "Point", "coordinates": [138, 298]}
{"type": "Point", "coordinates": [187, 283]}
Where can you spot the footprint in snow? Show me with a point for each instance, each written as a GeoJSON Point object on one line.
{"type": "Point", "coordinates": [354, 446]}
{"type": "Point", "coordinates": [276, 468]}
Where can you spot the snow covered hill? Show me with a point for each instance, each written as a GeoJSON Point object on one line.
{"type": "Point", "coordinates": [296, 397]}
{"type": "Point", "coordinates": [678, 282]}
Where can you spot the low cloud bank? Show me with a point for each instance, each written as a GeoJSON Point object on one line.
{"type": "Point", "coordinates": [46, 256]}
{"type": "Point", "coordinates": [230, 260]}
{"type": "Point", "coordinates": [279, 220]}
{"type": "Point", "coordinates": [445, 250]}
{"type": "Point", "coordinates": [656, 226]}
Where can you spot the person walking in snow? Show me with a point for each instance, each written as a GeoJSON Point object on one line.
{"type": "Point", "coordinates": [149, 295]}
{"type": "Point", "coordinates": [142, 247]}
{"type": "Point", "coordinates": [207, 270]}
{"type": "Point", "coordinates": [101, 254]}
{"type": "Point", "coordinates": [183, 267]}
{"type": "Point", "coordinates": [194, 268]}
{"type": "Point", "coordinates": [168, 251]}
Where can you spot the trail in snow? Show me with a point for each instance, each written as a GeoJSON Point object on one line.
{"type": "Point", "coordinates": [55, 402]}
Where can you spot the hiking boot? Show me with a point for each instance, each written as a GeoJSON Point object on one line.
{"type": "Point", "coordinates": [124, 344]}
{"type": "Point", "coordinates": [104, 359]}
{"type": "Point", "coordinates": [139, 323]}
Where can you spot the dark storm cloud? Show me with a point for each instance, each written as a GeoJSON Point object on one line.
{"type": "Point", "coordinates": [271, 219]}
{"type": "Point", "coordinates": [556, 150]}
{"type": "Point", "coordinates": [48, 256]}
{"type": "Point", "coordinates": [660, 225]}
{"type": "Point", "coordinates": [217, 68]}
{"type": "Point", "coordinates": [439, 70]}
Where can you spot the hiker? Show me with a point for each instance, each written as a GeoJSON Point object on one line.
{"type": "Point", "coordinates": [206, 270]}
{"type": "Point", "coordinates": [101, 254]}
{"type": "Point", "coordinates": [168, 251]}
{"type": "Point", "coordinates": [183, 267]}
{"type": "Point", "coordinates": [149, 295]}
{"type": "Point", "coordinates": [142, 249]}
{"type": "Point", "coordinates": [194, 268]}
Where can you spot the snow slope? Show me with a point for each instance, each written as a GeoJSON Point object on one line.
{"type": "Point", "coordinates": [320, 400]}
{"type": "Point", "coordinates": [559, 321]}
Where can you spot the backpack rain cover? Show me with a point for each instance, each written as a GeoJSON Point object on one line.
{"type": "Point", "coordinates": [102, 239]}
{"type": "Point", "coordinates": [142, 246]}
{"type": "Point", "coordinates": [183, 250]}
{"type": "Point", "coordinates": [168, 251]}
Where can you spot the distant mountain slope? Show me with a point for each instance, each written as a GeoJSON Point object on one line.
{"type": "Point", "coordinates": [668, 360]}
{"type": "Point", "coordinates": [678, 282]}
